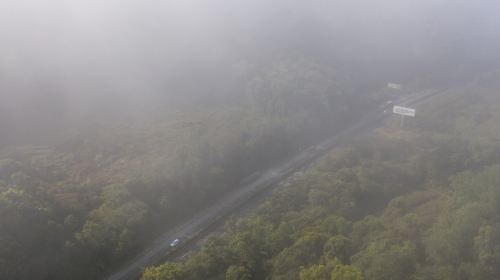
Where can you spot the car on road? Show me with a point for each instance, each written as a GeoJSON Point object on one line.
{"type": "Point", "coordinates": [175, 242]}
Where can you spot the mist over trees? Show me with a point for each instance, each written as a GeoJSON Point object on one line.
{"type": "Point", "coordinates": [72, 62]}
{"type": "Point", "coordinates": [119, 119]}
{"type": "Point", "coordinates": [419, 204]}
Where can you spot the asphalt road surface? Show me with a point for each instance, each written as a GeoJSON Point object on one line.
{"type": "Point", "coordinates": [251, 187]}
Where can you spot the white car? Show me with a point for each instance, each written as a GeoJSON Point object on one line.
{"type": "Point", "coordinates": [175, 242]}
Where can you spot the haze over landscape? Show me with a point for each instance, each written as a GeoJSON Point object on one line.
{"type": "Point", "coordinates": [66, 60]}
{"type": "Point", "coordinates": [122, 120]}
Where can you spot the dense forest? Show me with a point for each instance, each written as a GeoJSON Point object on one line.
{"type": "Point", "coordinates": [79, 208]}
{"type": "Point", "coordinates": [121, 120]}
{"type": "Point", "coordinates": [417, 203]}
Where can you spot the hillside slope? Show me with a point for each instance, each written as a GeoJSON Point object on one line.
{"type": "Point", "coordinates": [418, 203]}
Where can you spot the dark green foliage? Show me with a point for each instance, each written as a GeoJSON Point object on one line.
{"type": "Point", "coordinates": [422, 204]}
{"type": "Point", "coordinates": [237, 273]}
{"type": "Point", "coordinates": [338, 247]}
{"type": "Point", "coordinates": [96, 199]}
{"type": "Point", "coordinates": [168, 271]}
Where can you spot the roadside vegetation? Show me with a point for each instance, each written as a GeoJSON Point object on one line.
{"type": "Point", "coordinates": [78, 209]}
{"type": "Point", "coordinates": [121, 120]}
{"type": "Point", "coordinates": [421, 203]}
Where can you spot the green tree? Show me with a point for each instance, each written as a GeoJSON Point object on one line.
{"type": "Point", "coordinates": [338, 247]}
{"type": "Point", "coordinates": [383, 261]}
{"type": "Point", "coordinates": [346, 272]}
{"type": "Point", "coordinates": [236, 272]}
{"type": "Point", "coordinates": [305, 251]}
{"type": "Point", "coordinates": [167, 271]}
{"type": "Point", "coordinates": [315, 272]}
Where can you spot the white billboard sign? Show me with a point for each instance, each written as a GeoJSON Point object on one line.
{"type": "Point", "coordinates": [404, 111]}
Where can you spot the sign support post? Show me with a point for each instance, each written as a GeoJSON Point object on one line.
{"type": "Point", "coordinates": [403, 111]}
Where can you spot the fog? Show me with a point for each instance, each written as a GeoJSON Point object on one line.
{"type": "Point", "coordinates": [131, 131]}
{"type": "Point", "coordinates": [67, 61]}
